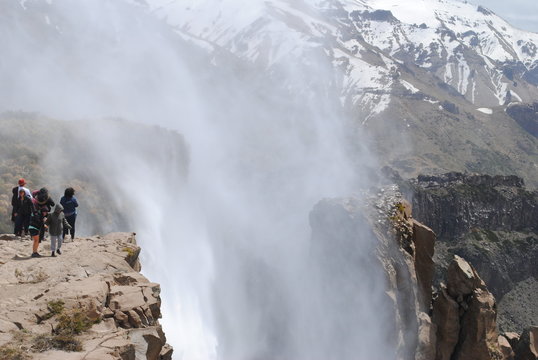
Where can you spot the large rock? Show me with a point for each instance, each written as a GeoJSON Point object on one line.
{"type": "Point", "coordinates": [424, 240]}
{"type": "Point", "coordinates": [446, 313]}
{"type": "Point", "coordinates": [527, 347]}
{"type": "Point", "coordinates": [479, 337]}
{"type": "Point", "coordinates": [465, 314]}
{"type": "Point", "coordinates": [506, 348]}
{"type": "Point", "coordinates": [404, 252]}
{"type": "Point", "coordinates": [94, 281]}
{"type": "Point", "coordinates": [462, 278]}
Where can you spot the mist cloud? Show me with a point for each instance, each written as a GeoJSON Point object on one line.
{"type": "Point", "coordinates": [229, 240]}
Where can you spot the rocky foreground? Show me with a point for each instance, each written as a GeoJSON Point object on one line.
{"type": "Point", "coordinates": [89, 303]}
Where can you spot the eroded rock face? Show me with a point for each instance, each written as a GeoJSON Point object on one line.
{"type": "Point", "coordinates": [97, 275]}
{"type": "Point", "coordinates": [404, 251]}
{"type": "Point", "coordinates": [465, 314]}
{"type": "Point", "coordinates": [452, 204]}
{"type": "Point", "coordinates": [491, 222]}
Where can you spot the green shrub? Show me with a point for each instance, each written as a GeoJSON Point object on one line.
{"type": "Point", "coordinates": [73, 322]}
{"type": "Point", "coordinates": [55, 308]}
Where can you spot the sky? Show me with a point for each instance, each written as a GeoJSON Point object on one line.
{"type": "Point", "coordinates": [522, 14]}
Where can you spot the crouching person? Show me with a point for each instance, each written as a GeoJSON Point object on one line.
{"type": "Point", "coordinates": [56, 223]}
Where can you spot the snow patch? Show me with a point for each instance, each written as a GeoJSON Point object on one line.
{"type": "Point", "coordinates": [409, 86]}
{"type": "Point", "coordinates": [487, 111]}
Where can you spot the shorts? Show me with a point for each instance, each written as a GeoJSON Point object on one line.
{"type": "Point", "coordinates": [34, 232]}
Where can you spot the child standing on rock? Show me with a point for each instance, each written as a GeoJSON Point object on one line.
{"type": "Point", "coordinates": [56, 223]}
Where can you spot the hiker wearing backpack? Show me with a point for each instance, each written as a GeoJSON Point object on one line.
{"type": "Point", "coordinates": [23, 211]}
{"type": "Point", "coordinates": [70, 204]}
{"type": "Point", "coordinates": [43, 202]}
{"type": "Point", "coordinates": [37, 224]}
{"type": "Point", "coordinates": [15, 191]}
{"type": "Point", "coordinates": [56, 223]}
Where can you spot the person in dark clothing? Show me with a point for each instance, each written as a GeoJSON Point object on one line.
{"type": "Point", "coordinates": [37, 224]}
{"type": "Point", "coordinates": [70, 204]}
{"type": "Point", "coordinates": [15, 196]}
{"type": "Point", "coordinates": [23, 213]}
{"type": "Point", "coordinates": [56, 222]}
{"type": "Point", "coordinates": [43, 203]}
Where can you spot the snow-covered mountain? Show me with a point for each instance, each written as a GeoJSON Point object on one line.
{"type": "Point", "coordinates": [432, 76]}
{"type": "Point", "coordinates": [467, 47]}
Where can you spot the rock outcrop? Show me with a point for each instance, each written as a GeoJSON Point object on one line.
{"type": "Point", "coordinates": [453, 204]}
{"type": "Point", "coordinates": [455, 322]}
{"type": "Point", "coordinates": [91, 302]}
{"type": "Point", "coordinates": [465, 315]}
{"type": "Point", "coordinates": [491, 222]}
{"type": "Point", "coordinates": [402, 246]}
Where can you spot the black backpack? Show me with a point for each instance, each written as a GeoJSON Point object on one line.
{"type": "Point", "coordinates": [15, 196]}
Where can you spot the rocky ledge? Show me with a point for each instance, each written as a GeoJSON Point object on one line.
{"type": "Point", "coordinates": [456, 320]}
{"type": "Point", "coordinates": [91, 302]}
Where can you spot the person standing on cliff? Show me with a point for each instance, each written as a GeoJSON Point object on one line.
{"type": "Point", "coordinates": [37, 224]}
{"type": "Point", "coordinates": [70, 204]}
{"type": "Point", "coordinates": [56, 223]}
{"type": "Point", "coordinates": [15, 197]}
{"type": "Point", "coordinates": [23, 212]}
{"type": "Point", "coordinates": [44, 203]}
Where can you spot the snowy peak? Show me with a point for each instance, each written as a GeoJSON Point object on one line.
{"type": "Point", "coordinates": [467, 47]}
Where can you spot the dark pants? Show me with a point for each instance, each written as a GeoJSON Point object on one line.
{"type": "Point", "coordinates": [22, 222]}
{"type": "Point", "coordinates": [71, 219]}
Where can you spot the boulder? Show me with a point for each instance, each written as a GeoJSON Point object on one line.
{"type": "Point", "coordinates": [506, 348]}
{"type": "Point", "coordinates": [465, 313]}
{"type": "Point", "coordinates": [527, 347]}
{"type": "Point", "coordinates": [166, 352]}
{"type": "Point", "coordinates": [513, 338]}
{"type": "Point", "coordinates": [462, 278]}
{"type": "Point", "coordinates": [478, 336]}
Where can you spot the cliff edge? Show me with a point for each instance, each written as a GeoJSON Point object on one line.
{"type": "Point", "coordinates": [91, 302]}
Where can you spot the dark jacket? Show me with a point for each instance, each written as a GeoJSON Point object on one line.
{"type": "Point", "coordinates": [56, 221]}
{"type": "Point", "coordinates": [15, 196]}
{"type": "Point", "coordinates": [70, 204]}
{"type": "Point", "coordinates": [38, 216]}
{"type": "Point", "coordinates": [43, 203]}
{"type": "Point", "coordinates": [23, 206]}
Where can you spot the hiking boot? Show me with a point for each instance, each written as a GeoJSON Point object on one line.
{"type": "Point", "coordinates": [36, 255]}
{"type": "Point", "coordinates": [59, 252]}
{"type": "Point", "coordinates": [53, 255]}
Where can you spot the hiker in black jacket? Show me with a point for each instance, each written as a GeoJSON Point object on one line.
{"type": "Point", "coordinates": [15, 195]}
{"type": "Point", "coordinates": [22, 211]}
{"type": "Point", "coordinates": [37, 224]}
{"type": "Point", "coordinates": [43, 203]}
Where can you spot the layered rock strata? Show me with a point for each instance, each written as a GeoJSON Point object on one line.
{"type": "Point", "coordinates": [91, 300]}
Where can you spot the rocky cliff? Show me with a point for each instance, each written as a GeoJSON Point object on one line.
{"type": "Point", "coordinates": [491, 222]}
{"type": "Point", "coordinates": [456, 320]}
{"type": "Point", "coordinates": [91, 302]}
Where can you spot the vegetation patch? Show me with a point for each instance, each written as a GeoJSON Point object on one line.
{"type": "Point", "coordinates": [9, 352]}
{"type": "Point", "coordinates": [34, 277]}
{"type": "Point", "coordinates": [74, 322]}
{"type": "Point", "coordinates": [55, 308]}
{"type": "Point", "coordinates": [42, 343]}
{"type": "Point", "coordinates": [130, 251]}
